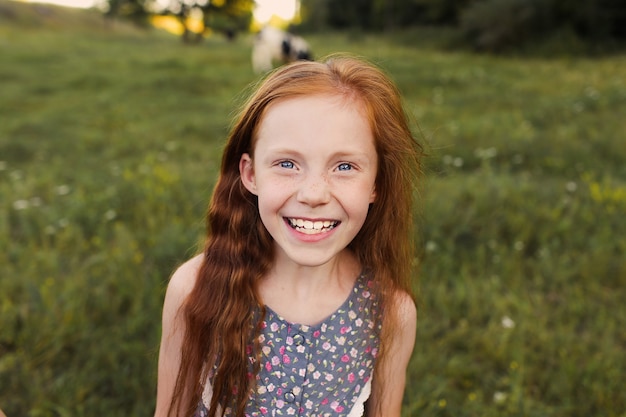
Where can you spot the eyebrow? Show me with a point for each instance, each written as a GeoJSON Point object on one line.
{"type": "Point", "coordinates": [336, 155]}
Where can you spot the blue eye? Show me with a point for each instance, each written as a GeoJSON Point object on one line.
{"type": "Point", "coordinates": [286, 164]}
{"type": "Point", "coordinates": [344, 167]}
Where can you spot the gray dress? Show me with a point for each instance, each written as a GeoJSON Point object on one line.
{"type": "Point", "coordinates": [322, 370]}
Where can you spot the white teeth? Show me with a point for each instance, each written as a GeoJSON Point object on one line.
{"type": "Point", "coordinates": [309, 227]}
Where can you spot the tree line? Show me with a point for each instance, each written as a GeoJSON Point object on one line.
{"type": "Point", "coordinates": [492, 25]}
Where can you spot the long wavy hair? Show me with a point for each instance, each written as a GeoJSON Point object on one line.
{"type": "Point", "coordinates": [221, 327]}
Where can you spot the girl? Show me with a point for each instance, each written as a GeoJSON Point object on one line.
{"type": "Point", "coordinates": [300, 303]}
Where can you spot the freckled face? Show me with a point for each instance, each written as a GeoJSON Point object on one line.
{"type": "Point", "coordinates": [314, 171]}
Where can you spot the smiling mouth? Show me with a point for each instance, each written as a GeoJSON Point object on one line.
{"type": "Point", "coordinates": [312, 227]}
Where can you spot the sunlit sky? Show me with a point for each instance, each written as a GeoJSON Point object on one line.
{"type": "Point", "coordinates": [68, 3]}
{"type": "Point", "coordinates": [284, 9]}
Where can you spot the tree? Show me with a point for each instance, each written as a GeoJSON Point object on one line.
{"type": "Point", "coordinates": [498, 25]}
{"type": "Point", "coordinates": [134, 10]}
{"type": "Point", "coordinates": [226, 16]}
{"type": "Point", "coordinates": [380, 14]}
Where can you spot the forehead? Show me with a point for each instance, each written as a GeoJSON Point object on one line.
{"type": "Point", "coordinates": [313, 114]}
{"type": "Point", "coordinates": [339, 100]}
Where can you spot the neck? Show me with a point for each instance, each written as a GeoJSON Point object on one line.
{"type": "Point", "coordinates": [307, 294]}
{"type": "Point", "coordinates": [344, 267]}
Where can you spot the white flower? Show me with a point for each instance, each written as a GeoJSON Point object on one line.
{"type": "Point", "coordinates": [63, 189]}
{"type": "Point", "coordinates": [486, 153]}
{"type": "Point", "coordinates": [499, 397]}
{"type": "Point", "coordinates": [16, 175]}
{"type": "Point", "coordinates": [571, 186]}
{"type": "Point", "coordinates": [507, 322]}
{"type": "Point", "coordinates": [110, 215]}
{"type": "Point", "coordinates": [20, 204]}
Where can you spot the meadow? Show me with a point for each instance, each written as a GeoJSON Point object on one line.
{"type": "Point", "coordinates": [110, 139]}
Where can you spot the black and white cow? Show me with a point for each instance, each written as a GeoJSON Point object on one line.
{"type": "Point", "coordinates": [274, 46]}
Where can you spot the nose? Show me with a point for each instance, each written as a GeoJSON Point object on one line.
{"type": "Point", "coordinates": [314, 190]}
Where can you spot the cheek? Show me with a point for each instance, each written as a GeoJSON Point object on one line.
{"type": "Point", "coordinates": [271, 199]}
{"type": "Point", "coordinates": [359, 197]}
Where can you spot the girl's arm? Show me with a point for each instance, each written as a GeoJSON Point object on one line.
{"type": "Point", "coordinates": [387, 402]}
{"type": "Point", "coordinates": [180, 285]}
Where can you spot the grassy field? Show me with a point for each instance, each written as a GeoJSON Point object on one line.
{"type": "Point", "coordinates": [109, 144]}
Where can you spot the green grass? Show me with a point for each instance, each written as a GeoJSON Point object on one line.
{"type": "Point", "coordinates": [110, 140]}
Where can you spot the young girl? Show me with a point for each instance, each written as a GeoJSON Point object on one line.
{"type": "Point", "coordinates": [300, 303]}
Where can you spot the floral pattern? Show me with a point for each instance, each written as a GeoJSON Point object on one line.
{"type": "Point", "coordinates": [316, 371]}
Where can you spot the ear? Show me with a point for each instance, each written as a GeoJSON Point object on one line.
{"type": "Point", "coordinates": [246, 172]}
{"type": "Point", "coordinates": [373, 195]}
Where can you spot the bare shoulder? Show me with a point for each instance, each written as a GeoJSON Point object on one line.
{"type": "Point", "coordinates": [180, 286]}
{"type": "Point", "coordinates": [405, 309]}
{"type": "Point", "coordinates": [184, 278]}
{"type": "Point", "coordinates": [403, 340]}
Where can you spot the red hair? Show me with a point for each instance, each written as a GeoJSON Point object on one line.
{"type": "Point", "coordinates": [239, 251]}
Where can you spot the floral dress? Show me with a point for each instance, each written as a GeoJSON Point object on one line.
{"type": "Point", "coordinates": [316, 371]}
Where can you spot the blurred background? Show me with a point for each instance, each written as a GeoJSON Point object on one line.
{"type": "Point", "coordinates": [113, 115]}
